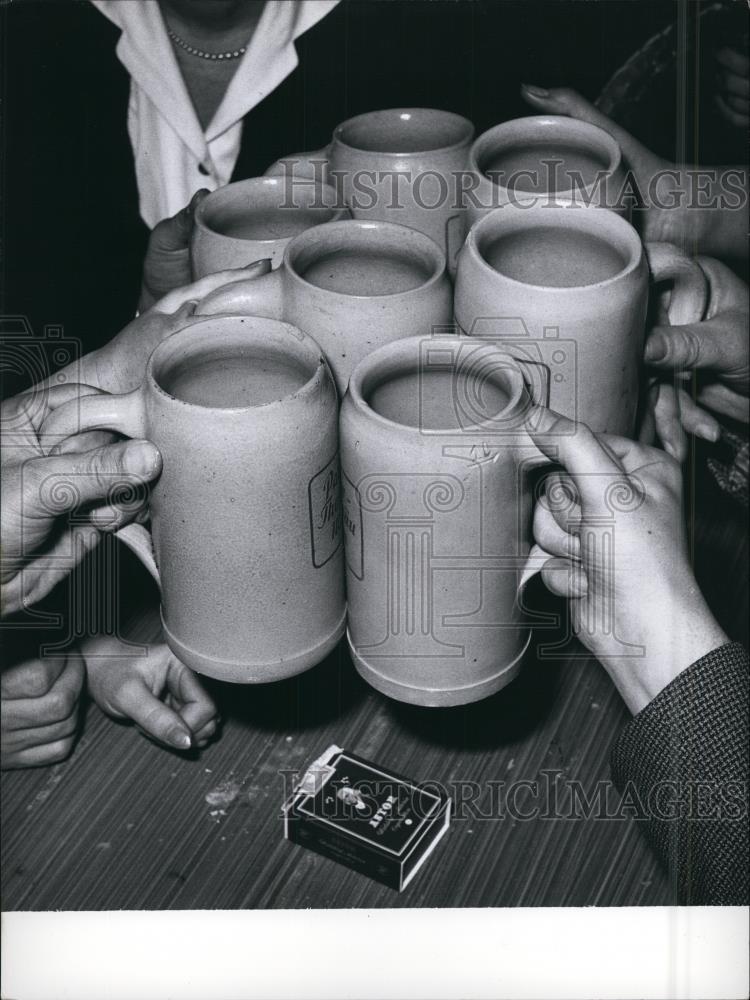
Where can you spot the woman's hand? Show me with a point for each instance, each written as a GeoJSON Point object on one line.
{"type": "Point", "coordinates": [706, 212]}
{"type": "Point", "coordinates": [156, 691]}
{"type": "Point", "coordinates": [119, 365]}
{"type": "Point", "coordinates": [611, 527]}
{"type": "Point", "coordinates": [167, 263]}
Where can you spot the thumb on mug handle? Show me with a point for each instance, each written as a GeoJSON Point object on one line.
{"type": "Point", "coordinates": [105, 411]}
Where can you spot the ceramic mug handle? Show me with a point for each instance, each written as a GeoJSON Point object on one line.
{"type": "Point", "coordinates": [537, 557]}
{"type": "Point", "coordinates": [689, 299]}
{"type": "Point", "coordinates": [260, 296]}
{"type": "Point", "coordinates": [303, 166]}
{"type": "Point", "coordinates": [124, 414]}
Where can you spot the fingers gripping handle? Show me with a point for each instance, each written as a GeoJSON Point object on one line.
{"type": "Point", "coordinates": [124, 414]}
{"type": "Point", "coordinates": [689, 299]}
{"type": "Point", "coordinates": [106, 412]}
{"type": "Point", "coordinates": [537, 557]}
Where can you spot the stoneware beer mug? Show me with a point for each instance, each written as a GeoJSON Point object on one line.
{"type": "Point", "coordinates": [351, 285]}
{"type": "Point", "coordinates": [436, 511]}
{"type": "Point", "coordinates": [253, 220]}
{"type": "Point", "coordinates": [246, 514]}
{"type": "Point", "coordinates": [402, 165]}
{"type": "Point", "coordinates": [547, 158]}
{"type": "Point", "coordinates": [565, 290]}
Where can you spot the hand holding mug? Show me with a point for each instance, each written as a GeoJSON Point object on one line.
{"type": "Point", "coordinates": [41, 491]}
{"type": "Point", "coordinates": [167, 263]}
{"type": "Point", "coordinates": [245, 514]}
{"type": "Point", "coordinates": [715, 349]}
{"type": "Point", "coordinates": [640, 583]}
{"type": "Point", "coordinates": [118, 366]}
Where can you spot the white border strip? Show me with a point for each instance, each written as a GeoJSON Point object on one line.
{"type": "Point", "coordinates": [642, 953]}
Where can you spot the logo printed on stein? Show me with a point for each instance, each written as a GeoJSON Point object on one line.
{"type": "Point", "coordinates": [324, 493]}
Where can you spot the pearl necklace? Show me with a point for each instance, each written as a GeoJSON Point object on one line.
{"type": "Point", "coordinates": [191, 50]}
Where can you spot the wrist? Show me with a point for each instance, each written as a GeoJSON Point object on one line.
{"type": "Point", "coordinates": [99, 652]}
{"type": "Point", "coordinates": [679, 640]}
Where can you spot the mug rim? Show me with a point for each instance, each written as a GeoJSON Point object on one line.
{"type": "Point", "coordinates": [400, 111]}
{"type": "Point", "coordinates": [402, 352]}
{"type": "Point", "coordinates": [339, 213]}
{"type": "Point", "coordinates": [573, 125]}
{"type": "Point", "coordinates": [299, 337]}
{"type": "Point", "coordinates": [602, 219]}
{"type": "Point", "coordinates": [403, 233]}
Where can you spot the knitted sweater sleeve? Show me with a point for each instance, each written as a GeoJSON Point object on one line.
{"type": "Point", "coordinates": [685, 756]}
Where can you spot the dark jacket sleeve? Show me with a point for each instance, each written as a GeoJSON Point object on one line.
{"type": "Point", "coordinates": [685, 757]}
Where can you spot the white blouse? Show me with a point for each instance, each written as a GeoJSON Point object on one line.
{"type": "Point", "coordinates": [168, 142]}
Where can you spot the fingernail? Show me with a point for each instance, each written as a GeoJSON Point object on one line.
{"type": "Point", "coordinates": [709, 432]}
{"type": "Point", "coordinates": [107, 518]}
{"type": "Point", "coordinates": [535, 91]}
{"type": "Point", "coordinates": [656, 348]}
{"type": "Point", "coordinates": [142, 458]}
{"type": "Point", "coordinates": [196, 200]}
{"type": "Point", "coordinates": [179, 738]}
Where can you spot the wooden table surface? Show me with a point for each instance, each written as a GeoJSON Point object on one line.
{"type": "Point", "coordinates": [126, 824]}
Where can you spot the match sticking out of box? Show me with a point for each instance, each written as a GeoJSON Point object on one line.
{"type": "Point", "coordinates": [369, 819]}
